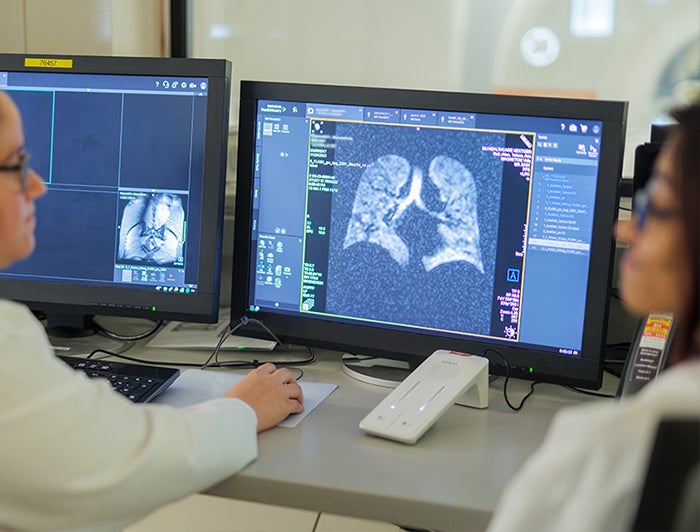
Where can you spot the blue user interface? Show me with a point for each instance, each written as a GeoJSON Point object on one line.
{"type": "Point", "coordinates": [122, 157]}
{"type": "Point", "coordinates": [425, 220]}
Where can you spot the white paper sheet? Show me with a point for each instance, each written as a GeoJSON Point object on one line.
{"type": "Point", "coordinates": [197, 385]}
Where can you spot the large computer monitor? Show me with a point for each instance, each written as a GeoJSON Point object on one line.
{"type": "Point", "coordinates": [396, 222]}
{"type": "Point", "coordinates": [133, 152]}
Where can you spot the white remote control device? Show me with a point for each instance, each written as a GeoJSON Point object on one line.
{"type": "Point", "coordinates": [414, 405]}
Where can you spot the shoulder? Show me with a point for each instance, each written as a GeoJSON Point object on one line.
{"type": "Point", "coordinates": [588, 472]}
{"type": "Point", "coordinates": [10, 308]}
{"type": "Point", "coordinates": [619, 434]}
{"type": "Point", "coordinates": [675, 392]}
{"type": "Point", "coordinates": [21, 333]}
{"type": "Point", "coordinates": [16, 318]}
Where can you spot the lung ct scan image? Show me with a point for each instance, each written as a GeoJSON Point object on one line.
{"type": "Point", "coordinates": [152, 229]}
{"type": "Point", "coordinates": [422, 215]}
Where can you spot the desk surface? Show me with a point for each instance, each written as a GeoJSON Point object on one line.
{"type": "Point", "coordinates": [450, 480]}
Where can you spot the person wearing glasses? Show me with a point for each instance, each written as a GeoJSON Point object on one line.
{"type": "Point", "coordinates": [589, 471]}
{"type": "Point", "coordinates": [73, 453]}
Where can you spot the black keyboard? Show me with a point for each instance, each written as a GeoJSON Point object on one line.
{"type": "Point", "coordinates": [137, 382]}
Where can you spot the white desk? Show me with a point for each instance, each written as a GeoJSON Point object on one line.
{"type": "Point", "coordinates": [450, 480]}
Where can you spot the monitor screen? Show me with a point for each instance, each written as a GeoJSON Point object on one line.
{"type": "Point", "coordinates": [396, 222]}
{"type": "Point", "coordinates": [133, 153]}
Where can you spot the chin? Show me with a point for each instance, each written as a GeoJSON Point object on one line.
{"type": "Point", "coordinates": [633, 299]}
{"type": "Point", "coordinates": [21, 254]}
{"type": "Point", "coordinates": [641, 299]}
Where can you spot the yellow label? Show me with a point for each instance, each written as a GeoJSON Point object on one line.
{"type": "Point", "coordinates": [47, 62]}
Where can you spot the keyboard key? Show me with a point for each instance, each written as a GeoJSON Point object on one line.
{"type": "Point", "coordinates": [138, 382]}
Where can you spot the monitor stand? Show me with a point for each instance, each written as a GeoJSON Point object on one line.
{"type": "Point", "coordinates": [377, 371]}
{"type": "Point", "coordinates": [69, 325]}
{"type": "Point", "coordinates": [74, 335]}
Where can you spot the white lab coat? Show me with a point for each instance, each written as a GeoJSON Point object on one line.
{"type": "Point", "coordinates": [76, 456]}
{"type": "Point", "coordinates": [588, 474]}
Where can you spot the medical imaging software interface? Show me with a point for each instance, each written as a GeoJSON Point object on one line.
{"type": "Point", "coordinates": [122, 157]}
{"type": "Point", "coordinates": [422, 220]}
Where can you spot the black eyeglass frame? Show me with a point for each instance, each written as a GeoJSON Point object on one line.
{"type": "Point", "coordinates": [643, 208]}
{"type": "Point", "coordinates": [22, 167]}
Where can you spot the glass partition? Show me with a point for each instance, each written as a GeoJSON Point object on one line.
{"type": "Point", "coordinates": [644, 51]}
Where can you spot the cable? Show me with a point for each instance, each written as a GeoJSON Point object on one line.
{"type": "Point", "coordinates": [588, 392]}
{"type": "Point", "coordinates": [618, 345]}
{"type": "Point", "coordinates": [352, 357]}
{"type": "Point", "coordinates": [228, 331]}
{"type": "Point", "coordinates": [613, 361]}
{"type": "Point", "coordinates": [240, 364]}
{"type": "Point", "coordinates": [127, 338]}
{"type": "Point", "coordinates": [505, 383]}
{"type": "Point", "coordinates": [254, 363]}
{"type": "Point", "coordinates": [111, 353]}
{"type": "Point", "coordinates": [141, 360]}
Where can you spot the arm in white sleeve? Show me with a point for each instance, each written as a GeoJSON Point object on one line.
{"type": "Point", "coordinates": [75, 454]}
{"type": "Point", "coordinates": [588, 473]}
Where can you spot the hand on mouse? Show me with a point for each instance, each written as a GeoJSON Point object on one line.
{"type": "Point", "coordinates": [273, 393]}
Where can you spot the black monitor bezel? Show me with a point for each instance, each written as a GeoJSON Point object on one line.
{"type": "Point", "coordinates": [584, 371]}
{"type": "Point", "coordinates": [87, 300]}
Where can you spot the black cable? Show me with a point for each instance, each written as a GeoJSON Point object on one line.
{"type": "Point", "coordinates": [352, 357]}
{"type": "Point", "coordinates": [505, 383]}
{"type": "Point", "coordinates": [236, 364]}
{"type": "Point", "coordinates": [589, 392]}
{"type": "Point", "coordinates": [618, 345]}
{"type": "Point", "coordinates": [141, 360]}
{"type": "Point", "coordinates": [110, 353]}
{"type": "Point", "coordinates": [613, 361]}
{"type": "Point", "coordinates": [228, 331]}
{"type": "Point", "coordinates": [239, 364]}
{"type": "Point", "coordinates": [127, 338]}
{"type": "Point", "coordinates": [615, 358]}
{"type": "Point", "coordinates": [254, 363]}
{"type": "Point", "coordinates": [615, 295]}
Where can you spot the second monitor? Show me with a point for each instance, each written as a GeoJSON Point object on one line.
{"type": "Point", "coordinates": [395, 222]}
{"type": "Point", "coordinates": [133, 153]}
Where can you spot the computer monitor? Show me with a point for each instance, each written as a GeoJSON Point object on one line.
{"type": "Point", "coordinates": [393, 223]}
{"type": "Point", "coordinates": [133, 152]}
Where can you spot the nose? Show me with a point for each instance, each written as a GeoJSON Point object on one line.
{"type": "Point", "coordinates": [35, 185]}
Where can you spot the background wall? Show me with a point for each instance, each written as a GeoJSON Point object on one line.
{"type": "Point", "coordinates": [644, 51]}
{"type": "Point", "coordinates": [89, 27]}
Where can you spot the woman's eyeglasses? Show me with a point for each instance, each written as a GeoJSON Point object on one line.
{"type": "Point", "coordinates": [644, 208]}
{"type": "Point", "coordinates": [21, 169]}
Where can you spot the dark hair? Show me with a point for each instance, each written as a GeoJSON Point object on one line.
{"type": "Point", "coordinates": [686, 156]}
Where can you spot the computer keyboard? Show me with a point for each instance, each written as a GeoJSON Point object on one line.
{"type": "Point", "coordinates": [140, 383]}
